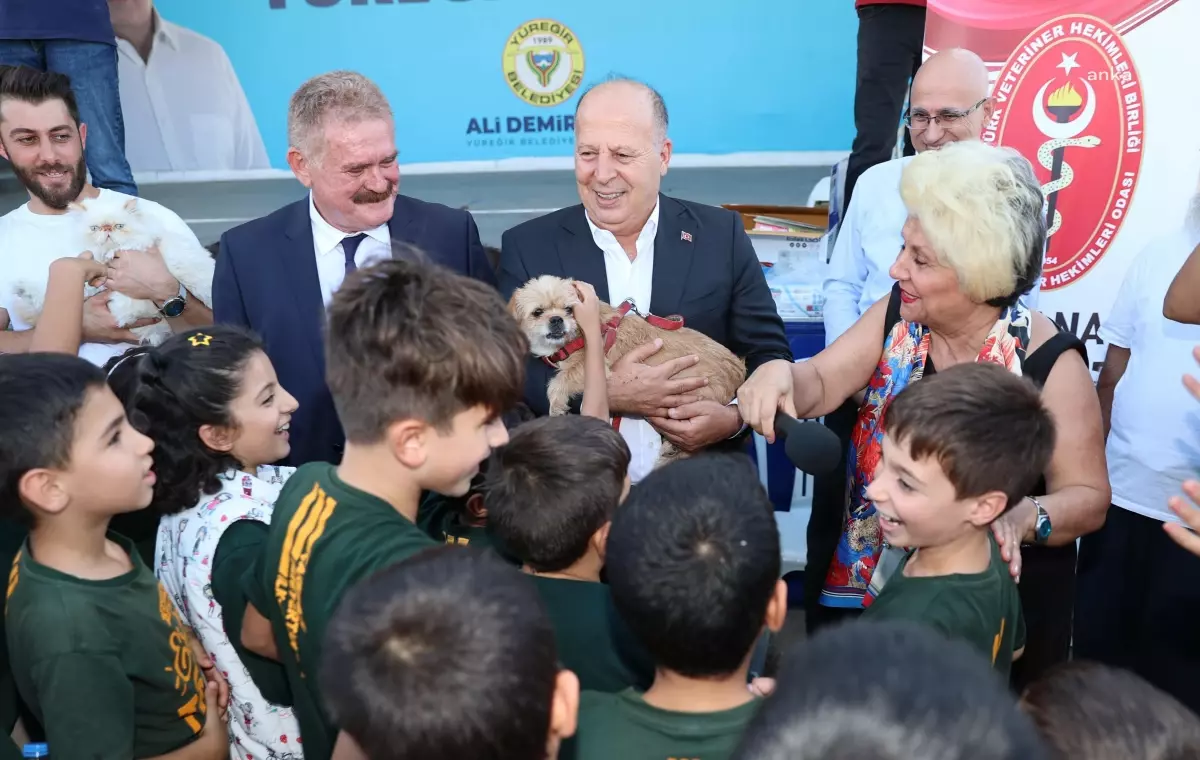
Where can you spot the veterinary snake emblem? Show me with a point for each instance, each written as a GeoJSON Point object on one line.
{"type": "Point", "coordinates": [1045, 156]}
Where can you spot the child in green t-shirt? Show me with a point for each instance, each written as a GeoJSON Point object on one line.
{"type": "Point", "coordinates": [445, 656]}
{"type": "Point", "coordinates": [420, 363]}
{"type": "Point", "coordinates": [960, 448]}
{"type": "Point", "coordinates": [550, 495]}
{"type": "Point", "coordinates": [693, 561]}
{"type": "Point", "coordinates": [98, 651]}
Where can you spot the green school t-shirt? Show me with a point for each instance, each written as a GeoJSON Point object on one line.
{"type": "Point", "coordinates": [593, 642]}
{"type": "Point", "coordinates": [324, 537]}
{"type": "Point", "coordinates": [442, 520]}
{"type": "Point", "coordinates": [236, 556]}
{"type": "Point", "coordinates": [982, 609]}
{"type": "Point", "coordinates": [105, 666]}
{"type": "Point", "coordinates": [623, 727]}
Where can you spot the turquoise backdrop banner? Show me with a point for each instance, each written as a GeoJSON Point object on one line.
{"type": "Point", "coordinates": [482, 80]}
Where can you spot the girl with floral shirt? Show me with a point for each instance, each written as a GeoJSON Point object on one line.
{"type": "Point", "coordinates": [211, 401]}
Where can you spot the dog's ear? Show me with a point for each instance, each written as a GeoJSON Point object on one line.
{"type": "Point", "coordinates": [512, 304]}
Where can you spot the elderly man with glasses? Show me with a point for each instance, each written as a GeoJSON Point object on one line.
{"type": "Point", "coordinates": [949, 103]}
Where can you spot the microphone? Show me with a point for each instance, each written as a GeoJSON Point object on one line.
{"type": "Point", "coordinates": [811, 447]}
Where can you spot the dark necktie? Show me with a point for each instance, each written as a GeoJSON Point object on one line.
{"type": "Point", "coordinates": [350, 247]}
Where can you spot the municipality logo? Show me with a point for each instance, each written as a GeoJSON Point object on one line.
{"type": "Point", "coordinates": [1069, 98]}
{"type": "Point", "coordinates": [543, 62]}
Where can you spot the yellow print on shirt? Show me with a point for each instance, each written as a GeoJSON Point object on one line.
{"type": "Point", "coordinates": [13, 574]}
{"type": "Point", "coordinates": [305, 528]}
{"type": "Point", "coordinates": [189, 677]}
{"type": "Point", "coordinates": [997, 641]}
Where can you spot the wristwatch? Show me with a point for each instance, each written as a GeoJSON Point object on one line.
{"type": "Point", "coordinates": [175, 305]}
{"type": "Point", "coordinates": [1042, 526]}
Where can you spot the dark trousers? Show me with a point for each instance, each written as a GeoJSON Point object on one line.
{"type": "Point", "coordinates": [1047, 592]}
{"type": "Point", "coordinates": [1138, 604]}
{"type": "Point", "coordinates": [92, 69]}
{"type": "Point", "coordinates": [890, 40]}
{"type": "Point", "coordinates": [826, 521]}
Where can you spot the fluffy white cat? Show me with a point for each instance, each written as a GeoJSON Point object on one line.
{"type": "Point", "coordinates": [108, 226]}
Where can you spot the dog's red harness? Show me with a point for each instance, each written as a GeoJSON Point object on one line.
{"type": "Point", "coordinates": [608, 331]}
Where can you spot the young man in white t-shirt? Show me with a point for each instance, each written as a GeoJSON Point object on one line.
{"type": "Point", "coordinates": [1138, 593]}
{"type": "Point", "coordinates": [40, 133]}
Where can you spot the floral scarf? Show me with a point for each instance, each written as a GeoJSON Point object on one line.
{"type": "Point", "coordinates": [905, 350]}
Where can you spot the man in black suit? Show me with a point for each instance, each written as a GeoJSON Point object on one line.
{"type": "Point", "coordinates": [277, 274]}
{"type": "Point", "coordinates": [671, 256]}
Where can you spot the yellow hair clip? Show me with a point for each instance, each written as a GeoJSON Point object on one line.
{"type": "Point", "coordinates": [200, 339]}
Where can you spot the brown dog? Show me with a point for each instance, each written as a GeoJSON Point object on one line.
{"type": "Point", "coordinates": [544, 307]}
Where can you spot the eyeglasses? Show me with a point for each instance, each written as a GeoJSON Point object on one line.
{"type": "Point", "coordinates": [919, 120]}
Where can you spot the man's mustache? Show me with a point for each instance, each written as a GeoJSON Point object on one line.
{"type": "Point", "coordinates": [364, 197]}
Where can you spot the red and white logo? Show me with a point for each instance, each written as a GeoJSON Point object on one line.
{"type": "Point", "coordinates": [1070, 100]}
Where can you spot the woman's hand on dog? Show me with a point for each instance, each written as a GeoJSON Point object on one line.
{"type": "Point", "coordinates": [769, 390]}
{"type": "Point", "coordinates": [587, 313]}
{"type": "Point", "coordinates": [635, 387]}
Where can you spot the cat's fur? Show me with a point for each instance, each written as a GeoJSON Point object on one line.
{"type": "Point", "coordinates": [108, 226]}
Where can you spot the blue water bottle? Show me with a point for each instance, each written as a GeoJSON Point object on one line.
{"type": "Point", "coordinates": [39, 751]}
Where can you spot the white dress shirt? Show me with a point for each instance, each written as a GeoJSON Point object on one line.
{"type": "Point", "coordinates": [184, 109]}
{"type": "Point", "coordinates": [633, 279]}
{"type": "Point", "coordinates": [331, 259]}
{"type": "Point", "coordinates": [1154, 443]}
{"type": "Point", "coordinates": [868, 243]}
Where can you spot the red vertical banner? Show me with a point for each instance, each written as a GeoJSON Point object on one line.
{"type": "Point", "coordinates": [1072, 98]}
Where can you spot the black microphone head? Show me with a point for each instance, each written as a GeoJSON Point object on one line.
{"type": "Point", "coordinates": [811, 447]}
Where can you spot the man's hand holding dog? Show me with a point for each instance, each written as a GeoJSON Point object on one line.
{"type": "Point", "coordinates": [640, 389]}
{"type": "Point", "coordinates": [697, 424]}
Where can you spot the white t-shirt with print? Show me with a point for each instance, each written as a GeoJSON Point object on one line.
{"type": "Point", "coordinates": [184, 551]}
{"type": "Point", "coordinates": [56, 236]}
{"type": "Point", "coordinates": [1154, 443]}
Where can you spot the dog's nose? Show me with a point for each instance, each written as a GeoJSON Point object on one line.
{"type": "Point", "coordinates": [556, 322]}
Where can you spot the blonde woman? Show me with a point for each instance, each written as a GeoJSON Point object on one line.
{"type": "Point", "coordinates": [973, 244]}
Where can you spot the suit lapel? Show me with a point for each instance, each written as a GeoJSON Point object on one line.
{"type": "Point", "coordinates": [673, 253]}
{"type": "Point", "coordinates": [579, 257]}
{"type": "Point", "coordinates": [298, 266]}
{"type": "Point", "coordinates": [404, 226]}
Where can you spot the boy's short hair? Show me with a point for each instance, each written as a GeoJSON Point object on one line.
{"type": "Point", "coordinates": [693, 560]}
{"type": "Point", "coordinates": [416, 341]}
{"type": "Point", "coordinates": [986, 427]}
{"type": "Point", "coordinates": [887, 690]}
{"type": "Point", "coordinates": [449, 654]}
{"type": "Point", "coordinates": [36, 87]}
{"type": "Point", "coordinates": [43, 394]}
{"type": "Point", "coordinates": [1102, 713]}
{"type": "Point", "coordinates": [552, 486]}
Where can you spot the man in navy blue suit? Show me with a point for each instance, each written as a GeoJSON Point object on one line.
{"type": "Point", "coordinates": [670, 256]}
{"type": "Point", "coordinates": [277, 274]}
